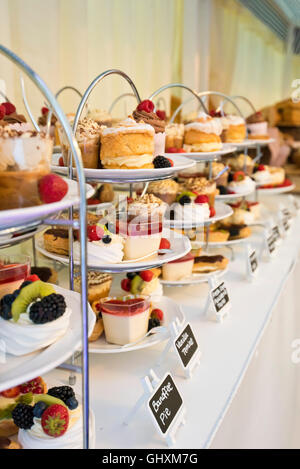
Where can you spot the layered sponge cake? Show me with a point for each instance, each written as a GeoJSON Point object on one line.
{"type": "Point", "coordinates": [130, 145]}
{"type": "Point", "coordinates": [203, 134]}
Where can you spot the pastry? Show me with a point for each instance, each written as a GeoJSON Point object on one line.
{"type": "Point", "coordinates": [24, 160]}
{"type": "Point", "coordinates": [240, 162]}
{"type": "Point", "coordinates": [105, 193]}
{"type": "Point", "coordinates": [98, 285]}
{"type": "Point", "coordinates": [209, 263]}
{"type": "Point", "coordinates": [178, 269]}
{"type": "Point", "coordinates": [166, 190]}
{"type": "Point", "coordinates": [203, 134]}
{"type": "Point", "coordinates": [190, 208]}
{"type": "Point", "coordinates": [217, 234]}
{"type": "Point", "coordinates": [98, 328]}
{"type": "Point", "coordinates": [257, 126]}
{"type": "Point", "coordinates": [277, 175]}
{"type": "Point", "coordinates": [57, 240]}
{"type": "Point", "coordinates": [144, 113]}
{"type": "Point", "coordinates": [6, 443]}
{"type": "Point", "coordinates": [129, 145]}
{"type": "Point", "coordinates": [46, 274]}
{"type": "Point", "coordinates": [174, 136]}
{"type": "Point", "coordinates": [202, 186]}
{"type": "Point", "coordinates": [234, 129]}
{"type": "Point", "coordinates": [100, 116]}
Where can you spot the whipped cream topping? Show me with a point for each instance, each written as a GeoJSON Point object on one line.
{"type": "Point", "coordinates": [129, 125]}
{"type": "Point", "coordinates": [242, 186]}
{"type": "Point", "coordinates": [175, 130]}
{"type": "Point", "coordinates": [231, 119]}
{"type": "Point", "coordinates": [24, 336]}
{"type": "Point", "coordinates": [100, 253]}
{"type": "Point", "coordinates": [238, 162]}
{"type": "Point", "coordinates": [241, 217]}
{"type": "Point", "coordinates": [262, 176]}
{"type": "Point", "coordinates": [135, 161]}
{"type": "Point", "coordinates": [188, 213]}
{"type": "Point", "coordinates": [205, 123]}
{"type": "Point", "coordinates": [148, 204]}
{"type": "Point", "coordinates": [200, 185]}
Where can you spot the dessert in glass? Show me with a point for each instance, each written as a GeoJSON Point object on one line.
{"type": "Point", "coordinates": [24, 160]}
{"type": "Point", "coordinates": [174, 136]}
{"type": "Point", "coordinates": [125, 319]}
{"type": "Point", "coordinates": [13, 271]}
{"type": "Point", "coordinates": [241, 162]}
{"type": "Point", "coordinates": [203, 134]}
{"type": "Point", "coordinates": [100, 116]}
{"type": "Point", "coordinates": [42, 122]}
{"type": "Point", "coordinates": [166, 190]}
{"type": "Point", "coordinates": [202, 186]}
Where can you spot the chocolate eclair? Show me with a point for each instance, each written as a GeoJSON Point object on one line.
{"type": "Point", "coordinates": [206, 263]}
{"type": "Point", "coordinates": [57, 240]}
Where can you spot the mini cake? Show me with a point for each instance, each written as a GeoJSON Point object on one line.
{"type": "Point", "coordinates": [234, 129]}
{"type": "Point", "coordinates": [129, 145]}
{"type": "Point", "coordinates": [257, 126]}
{"type": "Point", "coordinates": [98, 285]}
{"type": "Point", "coordinates": [147, 204]}
{"type": "Point", "coordinates": [166, 190]}
{"type": "Point", "coordinates": [209, 263]}
{"type": "Point", "coordinates": [144, 114]}
{"type": "Point", "coordinates": [32, 317]}
{"type": "Point", "coordinates": [178, 269]}
{"type": "Point", "coordinates": [241, 183]}
{"type": "Point", "coordinates": [239, 162]}
{"type": "Point", "coordinates": [143, 283]}
{"type": "Point", "coordinates": [42, 123]}
{"type": "Point", "coordinates": [190, 208]}
{"type": "Point", "coordinates": [244, 212]}
{"type": "Point", "coordinates": [100, 116]}
{"type": "Point", "coordinates": [277, 175]}
{"type": "Point", "coordinates": [174, 136]}
{"type": "Point", "coordinates": [216, 169]}
{"type": "Point", "coordinates": [202, 186]}
{"type": "Point", "coordinates": [24, 161]}
{"type": "Point", "coordinates": [203, 134]}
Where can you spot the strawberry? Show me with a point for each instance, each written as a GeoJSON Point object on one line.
{"type": "Point", "coordinates": [55, 420]}
{"type": "Point", "coordinates": [61, 161]}
{"type": "Point", "coordinates": [171, 150]}
{"type": "Point", "coordinates": [157, 314]}
{"type": "Point", "coordinates": [146, 275]}
{"type": "Point", "coordinates": [11, 393]}
{"type": "Point", "coordinates": [164, 243]}
{"type": "Point", "coordinates": [261, 167]}
{"type": "Point", "coordinates": [95, 233]}
{"type": "Point", "coordinates": [44, 111]}
{"type": "Point", "coordinates": [52, 188]}
{"type": "Point", "coordinates": [2, 111]}
{"type": "Point", "coordinates": [33, 278]}
{"type": "Point", "coordinates": [171, 161]}
{"type": "Point", "coordinates": [93, 202]}
{"type": "Point", "coordinates": [125, 284]}
{"type": "Point", "coordinates": [161, 114]}
{"type": "Point", "coordinates": [201, 199]}
{"type": "Point", "coordinates": [146, 106]}
{"type": "Point", "coordinates": [239, 176]}
{"type": "Point", "coordinates": [212, 212]}
{"type": "Point", "coordinates": [9, 108]}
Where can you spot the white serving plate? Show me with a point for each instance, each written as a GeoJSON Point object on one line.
{"type": "Point", "coordinates": [222, 197]}
{"type": "Point", "coordinates": [180, 246]}
{"type": "Point", "coordinates": [251, 143]}
{"type": "Point", "coordinates": [222, 211]}
{"type": "Point", "coordinates": [16, 370]}
{"type": "Point", "coordinates": [206, 155]}
{"type": "Point", "coordinates": [276, 190]}
{"type": "Point", "coordinates": [195, 278]}
{"type": "Point", "coordinates": [23, 216]}
{"type": "Point", "coordinates": [171, 311]}
{"type": "Point", "coordinates": [224, 243]}
{"type": "Point", "coordinates": [9, 239]}
{"type": "Point", "coordinates": [180, 163]}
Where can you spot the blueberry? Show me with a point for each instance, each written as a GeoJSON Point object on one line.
{"type": "Point", "coordinates": [153, 322]}
{"type": "Point", "coordinates": [106, 239]}
{"type": "Point", "coordinates": [24, 284]}
{"type": "Point", "coordinates": [72, 403]}
{"type": "Point", "coordinates": [16, 292]}
{"type": "Point", "coordinates": [172, 215]}
{"type": "Point", "coordinates": [5, 306]}
{"type": "Point", "coordinates": [223, 190]}
{"type": "Point", "coordinates": [39, 409]}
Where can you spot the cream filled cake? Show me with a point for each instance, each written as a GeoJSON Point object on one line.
{"type": "Point", "coordinates": [203, 134]}
{"type": "Point", "coordinates": [257, 126]}
{"type": "Point", "coordinates": [178, 269]}
{"type": "Point", "coordinates": [234, 129]}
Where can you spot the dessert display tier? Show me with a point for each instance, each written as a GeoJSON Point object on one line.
{"type": "Point", "coordinates": [21, 368]}
{"type": "Point", "coordinates": [227, 350]}
{"type": "Point", "coordinates": [275, 190]}
{"type": "Point", "coordinates": [180, 163]}
{"type": "Point", "coordinates": [209, 155]}
{"type": "Point", "coordinates": [195, 279]}
{"type": "Point", "coordinates": [252, 143]}
{"type": "Point", "coordinates": [25, 216]}
{"type": "Point", "coordinates": [222, 211]}
{"type": "Point", "coordinates": [228, 197]}
{"type": "Point", "coordinates": [8, 240]}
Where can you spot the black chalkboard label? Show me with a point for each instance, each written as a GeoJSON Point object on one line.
{"type": "Point", "coordinates": [253, 261]}
{"type": "Point", "coordinates": [165, 403]}
{"type": "Point", "coordinates": [186, 345]}
{"type": "Point", "coordinates": [276, 232]}
{"type": "Point", "coordinates": [271, 243]}
{"type": "Point", "coordinates": [220, 297]}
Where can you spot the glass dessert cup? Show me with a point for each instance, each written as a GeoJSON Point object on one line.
{"type": "Point", "coordinates": [142, 234]}
{"type": "Point", "coordinates": [90, 148]}
{"type": "Point", "coordinates": [125, 318]}
{"type": "Point", "coordinates": [13, 271]}
{"type": "Point", "coordinates": [159, 143]}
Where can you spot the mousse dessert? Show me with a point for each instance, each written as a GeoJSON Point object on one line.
{"type": "Point", "coordinates": [9, 116]}
{"type": "Point", "coordinates": [145, 113]}
{"type": "Point", "coordinates": [102, 117]}
{"type": "Point", "coordinates": [178, 269]}
{"type": "Point", "coordinates": [273, 175]}
{"type": "Point", "coordinates": [13, 272]}
{"type": "Point", "coordinates": [203, 186]}
{"type": "Point", "coordinates": [257, 126]}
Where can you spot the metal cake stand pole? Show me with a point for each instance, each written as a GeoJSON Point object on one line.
{"type": "Point", "coordinates": [82, 223]}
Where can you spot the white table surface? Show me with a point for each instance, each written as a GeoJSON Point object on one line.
{"type": "Point", "coordinates": [227, 350]}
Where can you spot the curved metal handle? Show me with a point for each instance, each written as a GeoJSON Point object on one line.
{"type": "Point", "coordinates": [34, 123]}
{"type": "Point", "coordinates": [92, 86]}
{"type": "Point", "coordinates": [179, 85]}
{"type": "Point", "coordinates": [179, 108]}
{"type": "Point", "coordinates": [239, 97]}
{"type": "Point", "coordinates": [64, 88]}
{"type": "Point", "coordinates": [124, 95]}
{"type": "Point", "coordinates": [161, 98]}
{"type": "Point", "coordinates": [4, 96]}
{"type": "Point", "coordinates": [218, 93]}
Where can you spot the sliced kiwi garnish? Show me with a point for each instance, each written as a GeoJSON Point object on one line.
{"type": "Point", "coordinates": [28, 295]}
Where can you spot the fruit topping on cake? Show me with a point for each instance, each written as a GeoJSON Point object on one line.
{"type": "Point", "coordinates": [52, 188]}
{"type": "Point", "coordinates": [162, 162]}
{"type": "Point", "coordinates": [239, 176]}
{"type": "Point", "coordinates": [164, 244]}
{"type": "Point", "coordinates": [156, 318]}
{"type": "Point", "coordinates": [146, 106]}
{"type": "Point", "coordinates": [55, 420]}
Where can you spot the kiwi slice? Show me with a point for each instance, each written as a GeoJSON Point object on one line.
{"type": "Point", "coordinates": [49, 400]}
{"type": "Point", "coordinates": [190, 194]}
{"type": "Point", "coordinates": [27, 295]}
{"type": "Point", "coordinates": [137, 284]}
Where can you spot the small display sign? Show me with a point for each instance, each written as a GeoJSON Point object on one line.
{"type": "Point", "coordinates": [253, 261]}
{"type": "Point", "coordinates": [271, 243]}
{"type": "Point", "coordinates": [220, 297]}
{"type": "Point", "coordinates": [186, 345]}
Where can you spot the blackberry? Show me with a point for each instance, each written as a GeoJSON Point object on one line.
{"type": "Point", "coordinates": [234, 230]}
{"type": "Point", "coordinates": [185, 199]}
{"type": "Point", "coordinates": [5, 306]}
{"type": "Point", "coordinates": [161, 162]}
{"type": "Point", "coordinates": [223, 190]}
{"type": "Point", "coordinates": [22, 416]}
{"type": "Point", "coordinates": [51, 307]}
{"type": "Point", "coordinates": [230, 177]}
{"type": "Point", "coordinates": [153, 322]}
{"type": "Point", "coordinates": [64, 393]}
{"type": "Point", "coordinates": [106, 239]}
{"type": "Point", "coordinates": [130, 275]}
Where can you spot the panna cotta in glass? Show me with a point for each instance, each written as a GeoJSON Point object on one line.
{"type": "Point", "coordinates": [13, 271]}
{"type": "Point", "coordinates": [125, 319]}
{"type": "Point", "coordinates": [178, 269]}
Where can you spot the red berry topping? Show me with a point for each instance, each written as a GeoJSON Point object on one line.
{"type": "Point", "coordinates": [2, 111]}
{"type": "Point", "coordinates": [9, 108]}
{"type": "Point", "coordinates": [161, 114]}
{"type": "Point", "coordinates": [146, 275]}
{"type": "Point", "coordinates": [157, 314]}
{"type": "Point", "coordinates": [11, 393]}
{"type": "Point", "coordinates": [212, 211]}
{"type": "Point", "coordinates": [95, 233]}
{"type": "Point", "coordinates": [261, 167]}
{"type": "Point", "coordinates": [55, 420]}
{"type": "Point", "coordinates": [171, 150]}
{"type": "Point", "coordinates": [52, 188]}
{"type": "Point", "coordinates": [33, 278]}
{"type": "Point", "coordinates": [239, 176]}
{"type": "Point", "coordinates": [146, 106]}
{"type": "Point", "coordinates": [129, 200]}
{"type": "Point", "coordinates": [164, 243]}
{"type": "Point", "coordinates": [201, 199]}
{"type": "Point", "coordinates": [125, 284]}
{"type": "Point", "coordinates": [93, 202]}
{"type": "Point", "coordinates": [35, 386]}
{"type": "Point", "coordinates": [61, 161]}
{"type": "Point", "coordinates": [44, 110]}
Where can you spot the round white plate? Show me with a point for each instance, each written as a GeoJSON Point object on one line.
{"type": "Point", "coordinates": [194, 279]}
{"type": "Point", "coordinates": [16, 370]}
{"type": "Point", "coordinates": [251, 143]}
{"type": "Point", "coordinates": [23, 216]}
{"type": "Point", "coordinates": [99, 207]}
{"type": "Point", "coordinates": [11, 240]}
{"type": "Point", "coordinates": [222, 211]}
{"type": "Point", "coordinates": [171, 311]}
{"type": "Point", "coordinates": [126, 175]}
{"type": "Point", "coordinates": [180, 246]}
{"type": "Point", "coordinates": [224, 243]}
{"type": "Point", "coordinates": [223, 197]}
{"type": "Point", "coordinates": [206, 155]}
{"type": "Point", "coordinates": [276, 190]}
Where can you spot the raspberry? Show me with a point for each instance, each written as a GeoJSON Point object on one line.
{"type": "Point", "coordinates": [94, 232]}
{"type": "Point", "coordinates": [161, 162]}
{"type": "Point", "coordinates": [157, 314]}
{"type": "Point", "coordinates": [93, 202]}
{"type": "Point", "coordinates": [49, 309]}
{"type": "Point", "coordinates": [61, 162]}
{"type": "Point", "coordinates": [153, 322]}
{"type": "Point", "coordinates": [125, 284]}
{"type": "Point", "coordinates": [161, 114]}
{"type": "Point", "coordinates": [129, 200]}
{"type": "Point", "coordinates": [147, 275]}
{"type": "Point", "coordinates": [9, 108]}
{"type": "Point", "coordinates": [171, 161]}
{"type": "Point", "coordinates": [32, 278]}
{"type": "Point", "coordinates": [44, 111]}
{"type": "Point", "coordinates": [261, 167]}
{"type": "Point", "coordinates": [212, 211]}
{"type": "Point", "coordinates": [164, 243]}
{"type": "Point", "coordinates": [146, 106]}
{"type": "Point", "coordinates": [52, 188]}
{"type": "Point", "coordinates": [55, 420]}
{"type": "Point", "coordinates": [61, 392]}
{"type": "Point", "coordinates": [239, 176]}
{"type": "Point", "coordinates": [22, 416]}
{"type": "Point", "coordinates": [2, 111]}
{"type": "Point", "coordinates": [201, 199]}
